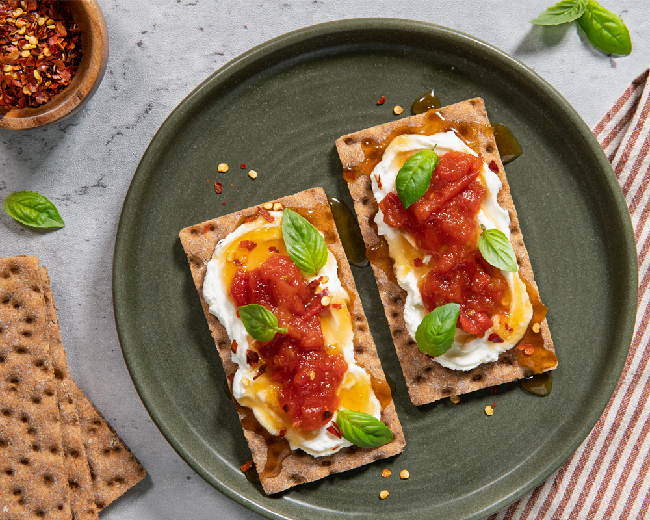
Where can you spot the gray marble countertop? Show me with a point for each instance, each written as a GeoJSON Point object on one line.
{"type": "Point", "coordinates": [159, 51]}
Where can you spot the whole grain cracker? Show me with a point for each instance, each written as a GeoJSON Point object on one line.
{"type": "Point", "coordinates": [102, 466]}
{"type": "Point", "coordinates": [75, 459]}
{"type": "Point", "coordinates": [298, 467]}
{"type": "Point", "coordinates": [426, 379]}
{"type": "Point", "coordinates": [33, 481]}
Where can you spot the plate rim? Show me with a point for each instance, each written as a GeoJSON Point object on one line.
{"type": "Point", "coordinates": [283, 42]}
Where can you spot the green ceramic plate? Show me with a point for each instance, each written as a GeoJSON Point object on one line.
{"type": "Point", "coordinates": [279, 108]}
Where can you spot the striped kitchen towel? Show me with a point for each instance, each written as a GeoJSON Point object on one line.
{"type": "Point", "coordinates": [607, 477]}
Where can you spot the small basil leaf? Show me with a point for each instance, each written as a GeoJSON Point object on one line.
{"type": "Point", "coordinates": [260, 322]}
{"type": "Point", "coordinates": [605, 30]}
{"type": "Point", "coordinates": [305, 245]}
{"type": "Point", "coordinates": [497, 250]}
{"type": "Point", "coordinates": [363, 429]}
{"type": "Point", "coordinates": [32, 209]}
{"type": "Point", "coordinates": [435, 334]}
{"type": "Point", "coordinates": [562, 12]}
{"type": "Point", "coordinates": [414, 177]}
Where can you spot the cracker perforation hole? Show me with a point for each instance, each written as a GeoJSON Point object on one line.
{"type": "Point", "coordinates": [348, 141]}
{"type": "Point", "coordinates": [27, 333]}
{"type": "Point", "coordinates": [36, 447]}
{"type": "Point", "coordinates": [17, 491]}
{"type": "Point", "coordinates": [21, 350]}
{"type": "Point", "coordinates": [365, 201]}
{"type": "Point", "coordinates": [398, 332]}
{"type": "Point", "coordinates": [74, 454]}
{"type": "Point", "coordinates": [14, 269]}
{"type": "Point", "coordinates": [36, 399]}
{"type": "Point", "coordinates": [2, 359]}
{"type": "Point", "coordinates": [419, 378]}
{"type": "Point", "coordinates": [477, 377]}
{"type": "Point", "coordinates": [31, 431]}
{"type": "Point", "coordinates": [326, 463]}
{"type": "Point", "coordinates": [97, 422]}
{"type": "Point", "coordinates": [6, 300]}
{"type": "Point", "coordinates": [359, 349]}
{"type": "Point", "coordinates": [6, 412]}
{"type": "Point", "coordinates": [9, 472]}
{"type": "Point", "coordinates": [39, 363]}
{"type": "Point", "coordinates": [24, 418]}
{"type": "Point", "coordinates": [40, 513]}
{"type": "Point", "coordinates": [17, 305]}
{"type": "Point", "coordinates": [489, 148]}
{"type": "Point", "coordinates": [73, 484]}
{"type": "Point", "coordinates": [14, 380]}
{"type": "Point", "coordinates": [5, 274]}
{"type": "Point", "coordinates": [36, 288]}
{"type": "Point", "coordinates": [24, 461]}
{"type": "Point", "coordinates": [4, 443]}
{"type": "Point", "coordinates": [54, 450]}
{"type": "Point", "coordinates": [106, 452]}
{"type": "Point", "coordinates": [48, 480]}
{"type": "Point", "coordinates": [362, 328]}
{"type": "Point", "coordinates": [58, 373]}
{"type": "Point", "coordinates": [99, 504]}
{"type": "Point", "coordinates": [60, 507]}
{"type": "Point", "coordinates": [447, 390]}
{"type": "Point", "coordinates": [49, 392]}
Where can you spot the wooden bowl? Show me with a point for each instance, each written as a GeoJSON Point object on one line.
{"type": "Point", "coordinates": [94, 44]}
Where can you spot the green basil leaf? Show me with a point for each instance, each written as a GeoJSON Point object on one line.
{"type": "Point", "coordinates": [414, 177]}
{"type": "Point", "coordinates": [562, 12]}
{"type": "Point", "coordinates": [305, 245]}
{"type": "Point", "coordinates": [363, 429]}
{"type": "Point", "coordinates": [32, 209]}
{"type": "Point", "coordinates": [497, 250]}
{"type": "Point", "coordinates": [435, 334]}
{"type": "Point", "coordinates": [260, 322]}
{"type": "Point", "coordinates": [605, 30]}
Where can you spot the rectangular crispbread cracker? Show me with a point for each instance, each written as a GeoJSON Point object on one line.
{"type": "Point", "coordinates": [199, 242]}
{"type": "Point", "coordinates": [75, 459]}
{"type": "Point", "coordinates": [100, 466]}
{"type": "Point", "coordinates": [33, 479]}
{"type": "Point", "coordinates": [427, 380]}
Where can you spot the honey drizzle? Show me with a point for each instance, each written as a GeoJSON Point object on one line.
{"type": "Point", "coordinates": [383, 391]}
{"type": "Point", "coordinates": [277, 448]}
{"type": "Point", "coordinates": [541, 359]}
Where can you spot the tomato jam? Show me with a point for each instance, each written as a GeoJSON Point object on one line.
{"type": "Point", "coordinates": [444, 224]}
{"type": "Point", "coordinates": [298, 360]}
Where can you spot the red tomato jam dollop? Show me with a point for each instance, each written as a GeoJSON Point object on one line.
{"type": "Point", "coordinates": [309, 376]}
{"type": "Point", "coordinates": [444, 223]}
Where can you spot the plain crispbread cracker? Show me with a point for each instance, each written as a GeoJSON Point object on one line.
{"type": "Point", "coordinates": [199, 242]}
{"type": "Point", "coordinates": [33, 481]}
{"type": "Point", "coordinates": [427, 380]}
{"type": "Point", "coordinates": [75, 459]}
{"type": "Point", "coordinates": [100, 466]}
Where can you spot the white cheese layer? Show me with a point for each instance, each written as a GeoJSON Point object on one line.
{"type": "Point", "coordinates": [468, 351]}
{"type": "Point", "coordinates": [260, 394]}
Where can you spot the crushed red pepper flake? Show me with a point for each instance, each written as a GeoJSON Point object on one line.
{"type": "Point", "coordinates": [206, 228]}
{"type": "Point", "coordinates": [493, 166]}
{"type": "Point", "coordinates": [218, 187]}
{"type": "Point", "coordinates": [494, 389]}
{"type": "Point", "coordinates": [335, 430]}
{"type": "Point", "coordinates": [260, 371]}
{"type": "Point", "coordinates": [381, 101]}
{"type": "Point", "coordinates": [495, 338]}
{"type": "Point", "coordinates": [494, 405]}
{"type": "Point", "coordinates": [337, 306]}
{"type": "Point", "coordinates": [527, 348]}
{"type": "Point", "coordinates": [243, 166]}
{"type": "Point", "coordinates": [267, 216]}
{"type": "Point", "coordinates": [508, 327]}
{"type": "Point", "coordinates": [223, 203]}
{"type": "Point", "coordinates": [37, 60]}
{"type": "Point", "coordinates": [233, 346]}
{"type": "Point", "coordinates": [246, 466]}
{"type": "Point", "coordinates": [282, 432]}
{"type": "Point", "coordinates": [274, 249]}
{"type": "Point", "coordinates": [252, 357]}
{"type": "Point", "coordinates": [247, 244]}
{"type": "Point", "coordinates": [418, 262]}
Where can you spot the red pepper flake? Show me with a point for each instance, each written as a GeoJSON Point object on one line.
{"type": "Point", "coordinates": [493, 166]}
{"type": "Point", "coordinates": [527, 348]}
{"type": "Point", "coordinates": [494, 405]}
{"type": "Point", "coordinates": [252, 357]}
{"type": "Point", "coordinates": [335, 430]}
{"type": "Point", "coordinates": [285, 407]}
{"type": "Point", "coordinates": [327, 415]}
{"type": "Point", "coordinates": [494, 389]}
{"type": "Point", "coordinates": [247, 244]}
{"type": "Point", "coordinates": [223, 203]}
{"type": "Point", "coordinates": [233, 346]}
{"type": "Point", "coordinates": [282, 432]}
{"type": "Point", "coordinates": [206, 228]}
{"type": "Point", "coordinates": [495, 338]}
{"type": "Point", "coordinates": [261, 370]}
{"type": "Point", "coordinates": [381, 101]}
{"type": "Point", "coordinates": [246, 466]}
{"type": "Point", "coordinates": [508, 327]}
{"type": "Point", "coordinates": [267, 216]}
{"type": "Point", "coordinates": [418, 262]}
{"type": "Point", "coordinates": [378, 179]}
{"type": "Point", "coordinates": [337, 306]}
{"type": "Point", "coordinates": [243, 166]}
{"type": "Point", "coordinates": [274, 249]}
{"type": "Point", "coordinates": [36, 60]}
{"type": "Point", "coordinates": [218, 187]}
